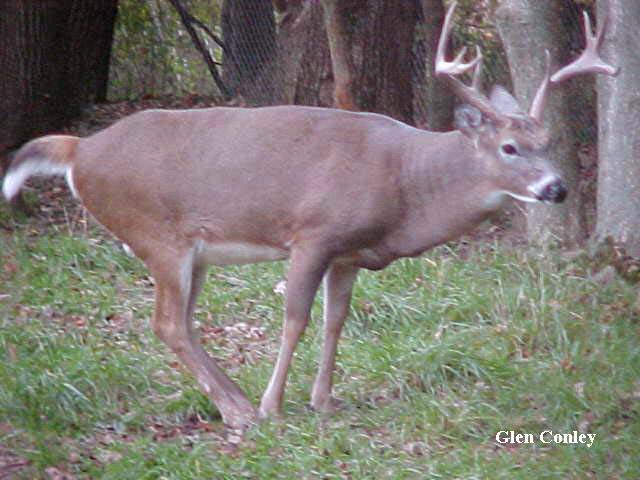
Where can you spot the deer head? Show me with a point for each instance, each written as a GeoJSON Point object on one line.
{"type": "Point", "coordinates": [514, 143]}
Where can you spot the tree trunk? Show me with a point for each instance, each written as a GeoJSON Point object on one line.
{"type": "Point", "coordinates": [249, 36]}
{"type": "Point", "coordinates": [438, 99]}
{"type": "Point", "coordinates": [336, 20]}
{"type": "Point", "coordinates": [377, 36]}
{"type": "Point", "coordinates": [54, 59]}
{"type": "Point", "coordinates": [371, 44]}
{"type": "Point", "coordinates": [299, 70]}
{"type": "Point", "coordinates": [307, 39]}
{"type": "Point", "coordinates": [527, 28]}
{"type": "Point", "coordinates": [384, 36]}
{"type": "Point", "coordinates": [618, 201]}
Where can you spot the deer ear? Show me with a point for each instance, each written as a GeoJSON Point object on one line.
{"type": "Point", "coordinates": [504, 102]}
{"type": "Point", "coordinates": [468, 120]}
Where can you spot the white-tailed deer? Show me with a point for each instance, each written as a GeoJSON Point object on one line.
{"type": "Point", "coordinates": [333, 191]}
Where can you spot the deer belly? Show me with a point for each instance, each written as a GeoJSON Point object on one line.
{"type": "Point", "coordinates": [366, 258]}
{"type": "Point", "coordinates": [237, 253]}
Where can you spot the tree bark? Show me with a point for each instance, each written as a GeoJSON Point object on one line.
{"type": "Point", "coordinates": [385, 34]}
{"type": "Point", "coordinates": [340, 45]}
{"type": "Point", "coordinates": [377, 36]}
{"type": "Point", "coordinates": [618, 200]}
{"type": "Point", "coordinates": [438, 99]}
{"type": "Point", "coordinates": [54, 58]}
{"type": "Point", "coordinates": [527, 28]}
{"type": "Point", "coordinates": [380, 35]}
{"type": "Point", "coordinates": [299, 71]}
{"type": "Point", "coordinates": [249, 36]}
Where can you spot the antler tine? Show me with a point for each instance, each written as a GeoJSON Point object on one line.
{"type": "Point", "coordinates": [476, 83]}
{"type": "Point", "coordinates": [537, 106]}
{"type": "Point", "coordinates": [449, 69]}
{"type": "Point", "coordinates": [589, 61]}
{"type": "Point", "coordinates": [588, 31]}
{"type": "Point", "coordinates": [444, 36]}
{"type": "Point", "coordinates": [457, 66]}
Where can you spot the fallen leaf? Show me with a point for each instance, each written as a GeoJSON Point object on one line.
{"type": "Point", "coordinates": [54, 473]}
{"type": "Point", "coordinates": [281, 287]}
{"type": "Point", "coordinates": [416, 449]}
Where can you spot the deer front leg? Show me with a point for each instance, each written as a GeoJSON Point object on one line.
{"type": "Point", "coordinates": [338, 284]}
{"type": "Point", "coordinates": [305, 272]}
{"type": "Point", "coordinates": [176, 292]}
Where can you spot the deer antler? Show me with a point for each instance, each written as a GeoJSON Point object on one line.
{"type": "Point", "coordinates": [588, 62]}
{"type": "Point", "coordinates": [449, 69]}
{"type": "Point", "coordinates": [537, 107]}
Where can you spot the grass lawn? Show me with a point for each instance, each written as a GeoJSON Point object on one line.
{"type": "Point", "coordinates": [439, 354]}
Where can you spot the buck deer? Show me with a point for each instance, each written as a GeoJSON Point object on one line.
{"type": "Point", "coordinates": [333, 191]}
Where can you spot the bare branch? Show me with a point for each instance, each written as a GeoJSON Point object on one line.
{"type": "Point", "coordinates": [208, 31]}
{"type": "Point", "coordinates": [188, 22]}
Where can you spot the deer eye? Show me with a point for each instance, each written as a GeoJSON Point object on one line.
{"type": "Point", "coordinates": [509, 149]}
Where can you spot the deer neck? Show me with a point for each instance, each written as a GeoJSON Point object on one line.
{"type": "Point", "coordinates": [447, 191]}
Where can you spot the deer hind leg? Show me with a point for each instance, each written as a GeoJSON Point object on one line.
{"type": "Point", "coordinates": [338, 285]}
{"type": "Point", "coordinates": [305, 273]}
{"type": "Point", "coordinates": [177, 287]}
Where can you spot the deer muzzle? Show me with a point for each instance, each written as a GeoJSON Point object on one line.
{"type": "Point", "coordinates": [553, 192]}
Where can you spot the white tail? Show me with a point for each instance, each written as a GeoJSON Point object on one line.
{"type": "Point", "coordinates": [331, 190]}
{"type": "Point", "coordinates": [51, 155]}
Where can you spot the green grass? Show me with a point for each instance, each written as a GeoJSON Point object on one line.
{"type": "Point", "coordinates": [439, 354]}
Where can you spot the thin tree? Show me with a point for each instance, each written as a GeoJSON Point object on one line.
{"type": "Point", "coordinates": [190, 23]}
{"type": "Point", "coordinates": [336, 19]}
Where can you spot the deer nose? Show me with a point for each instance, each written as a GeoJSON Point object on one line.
{"type": "Point", "coordinates": [555, 192]}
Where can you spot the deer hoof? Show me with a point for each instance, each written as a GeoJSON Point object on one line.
{"type": "Point", "coordinates": [328, 405]}
{"type": "Point", "coordinates": [241, 421]}
{"type": "Point", "coordinates": [269, 410]}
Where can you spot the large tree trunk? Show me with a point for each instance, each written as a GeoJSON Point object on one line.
{"type": "Point", "coordinates": [249, 36]}
{"type": "Point", "coordinates": [372, 53]}
{"type": "Point", "coordinates": [618, 202]}
{"type": "Point", "coordinates": [384, 35]}
{"type": "Point", "coordinates": [54, 59]}
{"type": "Point", "coordinates": [527, 28]}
